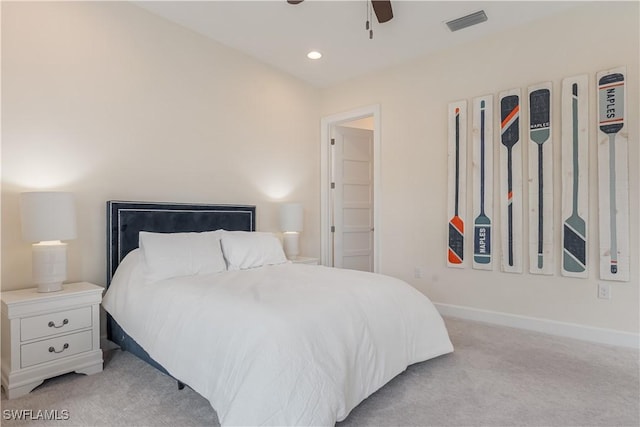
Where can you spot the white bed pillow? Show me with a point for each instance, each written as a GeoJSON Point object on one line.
{"type": "Point", "coordinates": [244, 249]}
{"type": "Point", "coordinates": [169, 255]}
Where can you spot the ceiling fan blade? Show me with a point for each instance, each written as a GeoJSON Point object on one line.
{"type": "Point", "coordinates": [383, 10]}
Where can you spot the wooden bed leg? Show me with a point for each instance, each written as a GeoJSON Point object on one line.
{"type": "Point", "coordinates": [180, 385]}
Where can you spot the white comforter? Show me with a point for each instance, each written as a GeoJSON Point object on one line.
{"type": "Point", "coordinates": [288, 344]}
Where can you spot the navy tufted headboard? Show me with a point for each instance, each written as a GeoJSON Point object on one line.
{"type": "Point", "coordinates": [126, 219]}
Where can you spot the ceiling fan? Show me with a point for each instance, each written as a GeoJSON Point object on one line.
{"type": "Point", "coordinates": [382, 9]}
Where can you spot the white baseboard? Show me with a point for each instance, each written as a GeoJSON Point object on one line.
{"type": "Point", "coordinates": [552, 327]}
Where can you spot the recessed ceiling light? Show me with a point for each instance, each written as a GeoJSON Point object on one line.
{"type": "Point", "coordinates": [314, 54]}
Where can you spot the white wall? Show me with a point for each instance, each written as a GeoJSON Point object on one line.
{"type": "Point", "coordinates": [109, 101]}
{"type": "Point", "coordinates": [414, 98]}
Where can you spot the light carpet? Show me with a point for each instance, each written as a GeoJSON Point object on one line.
{"type": "Point", "coordinates": [497, 376]}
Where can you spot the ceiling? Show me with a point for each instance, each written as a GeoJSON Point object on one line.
{"type": "Point", "coordinates": [281, 34]}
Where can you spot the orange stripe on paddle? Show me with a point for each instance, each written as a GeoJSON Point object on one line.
{"type": "Point", "coordinates": [453, 258]}
{"type": "Point", "coordinates": [510, 116]}
{"type": "Point", "coordinates": [457, 222]}
{"type": "Point", "coordinates": [611, 85]}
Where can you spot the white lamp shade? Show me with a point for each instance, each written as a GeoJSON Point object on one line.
{"type": "Point", "coordinates": [291, 217]}
{"type": "Point", "coordinates": [48, 216]}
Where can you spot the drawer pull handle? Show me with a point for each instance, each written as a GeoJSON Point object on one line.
{"type": "Point", "coordinates": [64, 347]}
{"type": "Point", "coordinates": [53, 325]}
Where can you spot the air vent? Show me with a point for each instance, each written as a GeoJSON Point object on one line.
{"type": "Point", "coordinates": [467, 21]}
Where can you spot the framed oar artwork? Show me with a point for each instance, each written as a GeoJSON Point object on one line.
{"type": "Point", "coordinates": [575, 176]}
{"type": "Point", "coordinates": [483, 218]}
{"type": "Point", "coordinates": [457, 168]}
{"type": "Point", "coordinates": [540, 147]}
{"type": "Point", "coordinates": [613, 175]}
{"type": "Point", "coordinates": [510, 181]}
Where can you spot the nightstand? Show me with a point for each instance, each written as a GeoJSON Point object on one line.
{"type": "Point", "coordinates": [49, 334]}
{"type": "Point", "coordinates": [305, 260]}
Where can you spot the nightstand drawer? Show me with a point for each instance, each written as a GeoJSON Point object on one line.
{"type": "Point", "coordinates": [55, 348]}
{"type": "Point", "coordinates": [54, 323]}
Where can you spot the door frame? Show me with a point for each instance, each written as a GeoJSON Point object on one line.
{"type": "Point", "coordinates": [326, 123]}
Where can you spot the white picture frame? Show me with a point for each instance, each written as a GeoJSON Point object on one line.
{"type": "Point", "coordinates": [511, 188]}
{"type": "Point", "coordinates": [540, 155]}
{"type": "Point", "coordinates": [457, 179]}
{"type": "Point", "coordinates": [575, 177]}
{"type": "Point", "coordinates": [483, 219]}
{"type": "Point", "coordinates": [613, 174]}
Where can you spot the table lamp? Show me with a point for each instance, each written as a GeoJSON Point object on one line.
{"type": "Point", "coordinates": [47, 218]}
{"type": "Point", "coordinates": [291, 220]}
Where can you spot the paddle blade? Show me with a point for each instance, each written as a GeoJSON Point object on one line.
{"type": "Point", "coordinates": [574, 245]}
{"type": "Point", "coordinates": [456, 240]}
{"type": "Point", "coordinates": [482, 240]}
{"type": "Point", "coordinates": [539, 108]}
{"type": "Point", "coordinates": [611, 100]}
{"type": "Point", "coordinates": [510, 120]}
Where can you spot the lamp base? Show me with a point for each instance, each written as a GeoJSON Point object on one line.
{"type": "Point", "coordinates": [291, 244]}
{"type": "Point", "coordinates": [49, 265]}
{"type": "Point", "coordinates": [50, 287]}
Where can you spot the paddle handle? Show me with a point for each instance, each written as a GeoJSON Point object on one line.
{"type": "Point", "coordinates": [540, 205]}
{"type": "Point", "coordinates": [457, 169]}
{"type": "Point", "coordinates": [574, 111]}
{"type": "Point", "coordinates": [482, 158]}
{"type": "Point", "coordinates": [510, 206]}
{"type": "Point", "coordinates": [612, 203]}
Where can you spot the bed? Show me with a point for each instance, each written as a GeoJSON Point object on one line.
{"type": "Point", "coordinates": [266, 341]}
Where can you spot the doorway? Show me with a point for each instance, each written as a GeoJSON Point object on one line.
{"type": "Point", "coordinates": [350, 182]}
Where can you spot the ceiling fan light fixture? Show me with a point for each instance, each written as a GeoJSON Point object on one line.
{"type": "Point", "coordinates": [467, 21]}
{"type": "Point", "coordinates": [314, 54]}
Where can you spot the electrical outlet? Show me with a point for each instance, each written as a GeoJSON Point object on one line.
{"type": "Point", "coordinates": [604, 291]}
{"type": "Point", "coordinates": [418, 273]}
